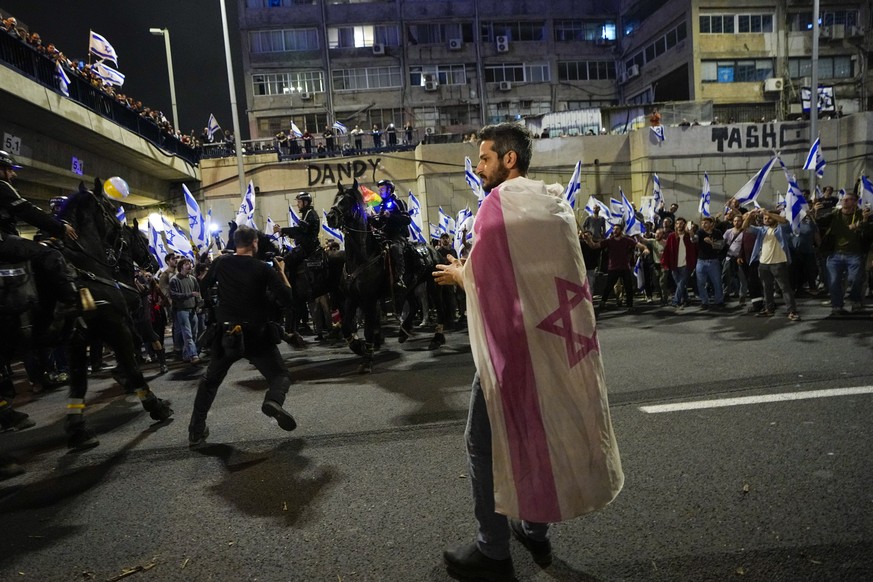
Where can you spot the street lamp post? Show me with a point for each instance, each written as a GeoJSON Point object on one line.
{"type": "Point", "coordinates": [166, 34]}
{"type": "Point", "coordinates": [233, 108]}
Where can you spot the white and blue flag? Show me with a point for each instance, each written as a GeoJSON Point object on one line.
{"type": "Point", "coordinates": [750, 191]}
{"type": "Point", "coordinates": [866, 197]}
{"type": "Point", "coordinates": [796, 206]}
{"type": "Point", "coordinates": [416, 227]}
{"type": "Point", "coordinates": [156, 246]}
{"type": "Point", "coordinates": [658, 130]}
{"type": "Point", "coordinates": [100, 47]}
{"type": "Point", "coordinates": [293, 219]}
{"type": "Point", "coordinates": [447, 223]}
{"type": "Point", "coordinates": [63, 79]}
{"type": "Point", "coordinates": [815, 160]}
{"type": "Point", "coordinates": [340, 128]}
{"type": "Point", "coordinates": [463, 229]}
{"type": "Point", "coordinates": [246, 213]}
{"type": "Point", "coordinates": [108, 74]}
{"type": "Point", "coordinates": [121, 215]}
{"type": "Point", "coordinates": [269, 230]}
{"type": "Point", "coordinates": [335, 234]}
{"type": "Point", "coordinates": [594, 202]}
{"type": "Point", "coordinates": [574, 185]}
{"type": "Point", "coordinates": [705, 197]}
{"type": "Point", "coordinates": [657, 194]}
{"type": "Point", "coordinates": [196, 222]}
{"type": "Point", "coordinates": [212, 127]}
{"type": "Point", "coordinates": [474, 181]}
{"type": "Point", "coordinates": [296, 130]}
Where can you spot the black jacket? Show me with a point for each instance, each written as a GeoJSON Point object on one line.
{"type": "Point", "coordinates": [14, 207]}
{"type": "Point", "coordinates": [392, 218]}
{"type": "Point", "coordinates": [243, 282]}
{"type": "Point", "coordinates": [305, 234]}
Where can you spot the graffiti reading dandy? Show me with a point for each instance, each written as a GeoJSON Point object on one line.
{"type": "Point", "coordinates": [320, 174]}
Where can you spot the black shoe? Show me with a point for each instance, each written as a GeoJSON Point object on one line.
{"type": "Point", "coordinates": [9, 468]}
{"type": "Point", "coordinates": [468, 562]}
{"type": "Point", "coordinates": [541, 551]}
{"type": "Point", "coordinates": [11, 419]}
{"type": "Point", "coordinates": [196, 439]}
{"type": "Point", "coordinates": [274, 410]}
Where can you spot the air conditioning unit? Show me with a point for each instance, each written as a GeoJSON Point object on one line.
{"type": "Point", "coordinates": [428, 131]}
{"type": "Point", "coordinates": [430, 85]}
{"type": "Point", "coordinates": [633, 71]}
{"type": "Point", "coordinates": [378, 49]}
{"type": "Point", "coordinates": [505, 86]}
{"type": "Point", "coordinates": [456, 44]}
{"type": "Point", "coordinates": [825, 32]}
{"type": "Point", "coordinates": [502, 44]}
{"type": "Point", "coordinates": [855, 31]}
{"type": "Point", "coordinates": [306, 95]}
{"type": "Point", "coordinates": [838, 31]}
{"type": "Point", "coordinates": [774, 85]}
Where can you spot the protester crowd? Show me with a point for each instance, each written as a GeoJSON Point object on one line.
{"type": "Point", "coordinates": [87, 72]}
{"type": "Point", "coordinates": [748, 255]}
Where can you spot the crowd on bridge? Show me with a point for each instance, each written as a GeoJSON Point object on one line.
{"type": "Point", "coordinates": [751, 256]}
{"type": "Point", "coordinates": [87, 72]}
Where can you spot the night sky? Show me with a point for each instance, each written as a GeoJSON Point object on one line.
{"type": "Point", "coordinates": [197, 45]}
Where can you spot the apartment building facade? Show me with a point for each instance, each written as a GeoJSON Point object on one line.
{"type": "Point", "coordinates": [447, 66]}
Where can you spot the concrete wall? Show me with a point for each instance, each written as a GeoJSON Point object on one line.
{"type": "Point", "coordinates": [730, 154]}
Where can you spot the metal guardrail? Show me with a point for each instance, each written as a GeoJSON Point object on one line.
{"type": "Point", "coordinates": [22, 58]}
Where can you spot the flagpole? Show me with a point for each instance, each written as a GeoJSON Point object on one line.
{"type": "Point", "coordinates": [813, 91]}
{"type": "Point", "coordinates": [233, 108]}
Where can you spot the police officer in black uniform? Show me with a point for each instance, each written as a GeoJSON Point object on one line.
{"type": "Point", "coordinates": [391, 218]}
{"type": "Point", "coordinates": [48, 263]}
{"type": "Point", "coordinates": [244, 330]}
{"type": "Point", "coordinates": [305, 234]}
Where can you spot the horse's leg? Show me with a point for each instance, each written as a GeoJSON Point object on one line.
{"type": "Point", "coordinates": [118, 335]}
{"type": "Point", "coordinates": [350, 324]}
{"type": "Point", "coordinates": [79, 436]}
{"type": "Point", "coordinates": [372, 333]}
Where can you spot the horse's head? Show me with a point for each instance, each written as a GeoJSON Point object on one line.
{"type": "Point", "coordinates": [138, 244]}
{"type": "Point", "coordinates": [93, 217]}
{"type": "Point", "coordinates": [348, 207]}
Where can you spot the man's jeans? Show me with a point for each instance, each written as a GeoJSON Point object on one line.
{"type": "Point", "coordinates": [848, 264]}
{"type": "Point", "coordinates": [494, 533]}
{"type": "Point", "coordinates": [680, 276]}
{"type": "Point", "coordinates": [776, 273]}
{"type": "Point", "coordinates": [186, 323]}
{"type": "Point", "coordinates": [709, 271]}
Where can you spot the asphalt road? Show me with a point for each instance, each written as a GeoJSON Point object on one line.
{"type": "Point", "coordinates": [372, 485]}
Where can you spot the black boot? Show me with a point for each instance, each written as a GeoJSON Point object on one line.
{"type": "Point", "coordinates": [11, 419]}
{"type": "Point", "coordinates": [79, 436]}
{"type": "Point", "coordinates": [157, 408]}
{"type": "Point", "coordinates": [162, 360]}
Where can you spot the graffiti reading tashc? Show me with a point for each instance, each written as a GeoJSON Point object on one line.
{"type": "Point", "coordinates": [758, 135]}
{"type": "Point", "coordinates": [319, 174]}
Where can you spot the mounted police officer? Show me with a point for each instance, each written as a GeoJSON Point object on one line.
{"type": "Point", "coordinates": [48, 263]}
{"type": "Point", "coordinates": [391, 219]}
{"type": "Point", "coordinates": [305, 234]}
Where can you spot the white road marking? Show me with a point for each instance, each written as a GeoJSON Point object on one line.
{"type": "Point", "coordinates": [756, 399]}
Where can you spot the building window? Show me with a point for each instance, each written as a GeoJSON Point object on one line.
{"type": "Point", "coordinates": [441, 74]}
{"type": "Point", "coordinates": [586, 70]}
{"type": "Point", "coordinates": [439, 33]}
{"type": "Point", "coordinates": [280, 41]}
{"type": "Point", "coordinates": [584, 30]}
{"type": "Point", "coordinates": [516, 31]}
{"type": "Point", "coordinates": [518, 73]}
{"type": "Point", "coordinates": [840, 67]}
{"type": "Point", "coordinates": [362, 36]}
{"type": "Point", "coordinates": [661, 45]}
{"type": "Point", "coordinates": [366, 78]}
{"type": "Point", "coordinates": [802, 21]}
{"type": "Point", "coordinates": [287, 83]}
{"type": "Point", "coordinates": [738, 71]}
{"type": "Point", "coordinates": [730, 23]}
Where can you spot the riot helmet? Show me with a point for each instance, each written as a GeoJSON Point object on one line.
{"type": "Point", "coordinates": [388, 185]}
{"type": "Point", "coordinates": [305, 197]}
{"type": "Point", "coordinates": [7, 161]}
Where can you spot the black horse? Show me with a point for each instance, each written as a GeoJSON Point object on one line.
{"type": "Point", "coordinates": [98, 256]}
{"type": "Point", "coordinates": [367, 277]}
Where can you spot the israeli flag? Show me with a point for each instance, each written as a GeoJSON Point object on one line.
{"type": "Point", "coordinates": [120, 215]}
{"type": "Point", "coordinates": [640, 274]}
{"type": "Point", "coordinates": [196, 222]}
{"type": "Point", "coordinates": [416, 227]}
{"type": "Point", "coordinates": [657, 195]}
{"type": "Point", "coordinates": [339, 127]}
{"type": "Point", "coordinates": [574, 185]}
{"type": "Point", "coordinates": [616, 211]}
{"type": "Point", "coordinates": [627, 209]}
{"type": "Point", "coordinates": [212, 127]}
{"type": "Point", "coordinates": [594, 202]}
{"type": "Point", "coordinates": [658, 130]}
{"type": "Point", "coordinates": [474, 181]}
{"type": "Point", "coordinates": [447, 223]}
{"type": "Point", "coordinates": [705, 197]}
{"type": "Point", "coordinates": [108, 74]}
{"type": "Point", "coordinates": [331, 232]}
{"type": "Point", "coordinates": [183, 244]}
{"type": "Point", "coordinates": [293, 219]}
{"type": "Point", "coordinates": [464, 221]}
{"type": "Point", "coordinates": [246, 213]}
{"type": "Point", "coordinates": [866, 192]}
{"type": "Point", "coordinates": [296, 130]}
{"type": "Point", "coordinates": [815, 160]}
{"type": "Point", "coordinates": [269, 230]}
{"type": "Point", "coordinates": [796, 206]}
{"type": "Point", "coordinates": [100, 47]}
{"type": "Point", "coordinates": [63, 79]}
{"type": "Point", "coordinates": [435, 231]}
{"type": "Point", "coordinates": [749, 193]}
{"type": "Point", "coordinates": [156, 246]}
